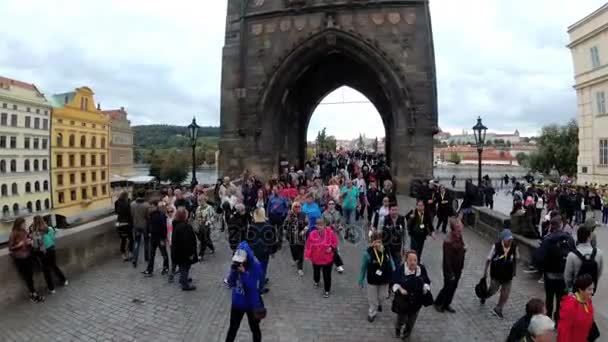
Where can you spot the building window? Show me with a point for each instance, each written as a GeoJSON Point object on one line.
{"type": "Point", "coordinates": [93, 142]}
{"type": "Point", "coordinates": [72, 122]}
{"type": "Point", "coordinates": [3, 119]}
{"type": "Point", "coordinates": [72, 160]}
{"type": "Point", "coordinates": [37, 110]}
{"type": "Point", "coordinates": [27, 109]}
{"type": "Point", "coordinates": [595, 57]}
{"type": "Point", "coordinates": [93, 160]}
{"type": "Point", "coordinates": [13, 142]}
{"type": "Point", "coordinates": [14, 120]}
{"type": "Point", "coordinates": [15, 107]}
{"type": "Point", "coordinates": [604, 152]}
{"type": "Point", "coordinates": [38, 205]}
{"type": "Point", "coordinates": [71, 140]}
{"type": "Point", "coordinates": [37, 186]}
{"type": "Point", "coordinates": [14, 189]}
{"type": "Point", "coordinates": [5, 209]}
{"type": "Point", "coordinates": [13, 165]}
{"type": "Point", "coordinates": [59, 140]}
{"type": "Point", "coordinates": [103, 159]}
{"type": "Point", "coordinates": [45, 165]}
{"type": "Point", "coordinates": [60, 180]}
{"type": "Point", "coordinates": [104, 190]}
{"type": "Point", "coordinates": [72, 178]}
{"type": "Point", "coordinates": [600, 99]}
{"type": "Point", "coordinates": [28, 187]}
{"type": "Point", "coordinates": [103, 175]}
{"type": "Point", "coordinates": [4, 191]}
{"type": "Point", "coordinates": [83, 177]}
{"type": "Point", "coordinates": [45, 144]}
{"type": "Point", "coordinates": [26, 165]}
{"type": "Point", "coordinates": [59, 160]}
{"type": "Point", "coordinates": [83, 160]}
{"type": "Point", "coordinates": [15, 209]}
{"type": "Point", "coordinates": [36, 143]}
{"type": "Point", "coordinates": [83, 141]}
{"type": "Point", "coordinates": [36, 123]}
{"type": "Point", "coordinates": [45, 186]}
{"type": "Point", "coordinates": [2, 166]}
{"type": "Point", "coordinates": [45, 123]}
{"type": "Point", "coordinates": [36, 165]}
{"type": "Point", "coordinates": [83, 124]}
{"type": "Point", "coordinates": [94, 191]}
{"type": "Point", "coordinates": [84, 193]}
{"type": "Point", "coordinates": [73, 195]}
{"type": "Point", "coordinates": [2, 141]}
{"type": "Point", "coordinates": [29, 207]}
{"type": "Point", "coordinates": [103, 142]}
{"type": "Point", "coordinates": [60, 197]}
{"type": "Point", "coordinates": [26, 142]}
{"type": "Point", "coordinates": [28, 121]}
{"type": "Point", "coordinates": [47, 203]}
{"type": "Point", "coordinates": [4, 105]}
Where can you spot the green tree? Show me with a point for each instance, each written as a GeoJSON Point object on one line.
{"type": "Point", "coordinates": [155, 164]}
{"type": "Point", "coordinates": [175, 168]}
{"type": "Point", "coordinates": [523, 159]}
{"type": "Point", "coordinates": [360, 142]}
{"type": "Point", "coordinates": [557, 148]}
{"type": "Point", "coordinates": [210, 157]}
{"type": "Point", "coordinates": [324, 142]}
{"type": "Point", "coordinates": [454, 158]}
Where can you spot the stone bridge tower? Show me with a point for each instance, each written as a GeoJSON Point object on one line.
{"type": "Point", "coordinates": [282, 57]}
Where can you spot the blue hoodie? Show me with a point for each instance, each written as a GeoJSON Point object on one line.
{"type": "Point", "coordinates": [245, 295]}
{"type": "Point", "coordinates": [313, 212]}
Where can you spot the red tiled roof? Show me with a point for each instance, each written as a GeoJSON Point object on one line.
{"type": "Point", "coordinates": [16, 83]}
{"type": "Point", "coordinates": [115, 114]}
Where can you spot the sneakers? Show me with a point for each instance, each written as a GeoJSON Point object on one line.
{"type": "Point", "coordinates": [497, 313]}
{"type": "Point", "coordinates": [340, 269]}
{"type": "Point", "coordinates": [164, 271]}
{"type": "Point", "coordinates": [65, 283]}
{"type": "Point", "coordinates": [147, 273]}
{"type": "Point", "coordinates": [36, 298]}
{"type": "Point", "coordinates": [438, 308]}
{"type": "Point", "coordinates": [52, 291]}
{"type": "Point", "coordinates": [379, 308]}
{"type": "Point", "coordinates": [211, 252]}
{"type": "Point", "coordinates": [371, 318]}
{"type": "Point", "coordinates": [189, 288]}
{"type": "Point", "coordinates": [326, 294]}
{"type": "Point", "coordinates": [397, 332]}
{"type": "Point", "coordinates": [264, 290]}
{"type": "Point", "coordinates": [316, 284]}
{"type": "Point", "coordinates": [450, 309]}
{"type": "Point", "coordinates": [300, 273]}
{"type": "Point", "coordinates": [482, 301]}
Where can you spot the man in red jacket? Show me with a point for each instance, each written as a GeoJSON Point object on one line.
{"type": "Point", "coordinates": [453, 263]}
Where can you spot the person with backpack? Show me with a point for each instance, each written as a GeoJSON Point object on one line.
{"type": "Point", "coordinates": [501, 262]}
{"type": "Point", "coordinates": [585, 259]}
{"type": "Point", "coordinates": [550, 258]}
{"type": "Point", "coordinates": [278, 207]}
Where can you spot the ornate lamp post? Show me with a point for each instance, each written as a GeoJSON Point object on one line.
{"type": "Point", "coordinates": [193, 132]}
{"type": "Point", "coordinates": [480, 138]}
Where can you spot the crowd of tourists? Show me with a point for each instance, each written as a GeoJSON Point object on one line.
{"type": "Point", "coordinates": [350, 197]}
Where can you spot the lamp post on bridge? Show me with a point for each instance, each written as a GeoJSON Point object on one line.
{"type": "Point", "coordinates": [480, 138]}
{"type": "Point", "coordinates": [193, 132]}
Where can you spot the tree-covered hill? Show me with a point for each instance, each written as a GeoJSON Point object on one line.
{"type": "Point", "coordinates": [166, 136]}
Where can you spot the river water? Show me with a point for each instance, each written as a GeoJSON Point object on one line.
{"type": "Point", "coordinates": [206, 176]}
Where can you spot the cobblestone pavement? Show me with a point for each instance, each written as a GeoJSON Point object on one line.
{"type": "Point", "coordinates": [114, 302]}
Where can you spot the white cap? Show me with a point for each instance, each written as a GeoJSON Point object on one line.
{"type": "Point", "coordinates": [239, 256]}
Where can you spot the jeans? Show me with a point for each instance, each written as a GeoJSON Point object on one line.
{"type": "Point", "coordinates": [605, 215]}
{"type": "Point", "coordinates": [236, 316]}
{"type": "Point", "coordinates": [446, 295]}
{"type": "Point", "coordinates": [326, 275]}
{"type": "Point", "coordinates": [26, 270]}
{"type": "Point", "coordinates": [184, 272]}
{"type": "Point", "coordinates": [417, 244]}
{"type": "Point", "coordinates": [264, 275]}
{"type": "Point", "coordinates": [297, 253]}
{"type": "Point", "coordinates": [505, 291]}
{"type": "Point", "coordinates": [375, 296]}
{"type": "Point", "coordinates": [408, 319]}
{"type": "Point", "coordinates": [555, 289]}
{"type": "Point", "coordinates": [49, 266]}
{"type": "Point", "coordinates": [138, 234]}
{"type": "Point", "coordinates": [160, 244]}
{"type": "Point", "coordinates": [349, 216]}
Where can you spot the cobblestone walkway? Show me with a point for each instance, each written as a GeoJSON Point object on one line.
{"type": "Point", "coordinates": [114, 302]}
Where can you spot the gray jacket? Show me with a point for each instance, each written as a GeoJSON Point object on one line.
{"type": "Point", "coordinates": [139, 213]}
{"type": "Point", "coordinates": [573, 263]}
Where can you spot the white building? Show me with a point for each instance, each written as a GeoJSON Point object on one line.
{"type": "Point", "coordinates": [24, 151]}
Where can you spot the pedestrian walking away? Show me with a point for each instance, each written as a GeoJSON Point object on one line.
{"type": "Point", "coordinates": [453, 262]}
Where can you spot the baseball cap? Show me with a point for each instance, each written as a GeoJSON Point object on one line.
{"type": "Point", "coordinates": [506, 234]}
{"type": "Point", "coordinates": [239, 256]}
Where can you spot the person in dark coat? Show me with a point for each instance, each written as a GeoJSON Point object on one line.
{"type": "Point", "coordinates": [519, 330]}
{"type": "Point", "coordinates": [262, 241]}
{"type": "Point", "coordinates": [420, 226]}
{"type": "Point", "coordinates": [453, 262]}
{"type": "Point", "coordinates": [122, 208]}
{"type": "Point", "coordinates": [183, 247]}
{"type": "Point", "coordinates": [444, 208]}
{"type": "Point", "coordinates": [237, 227]}
{"type": "Point", "coordinates": [411, 285]}
{"type": "Point", "coordinates": [157, 228]}
{"type": "Point", "coordinates": [393, 233]}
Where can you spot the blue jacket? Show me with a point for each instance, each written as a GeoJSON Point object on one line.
{"type": "Point", "coordinates": [541, 254]}
{"type": "Point", "coordinates": [313, 212]}
{"type": "Point", "coordinates": [245, 295]}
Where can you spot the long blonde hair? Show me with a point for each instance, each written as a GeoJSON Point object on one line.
{"type": "Point", "coordinates": [39, 225]}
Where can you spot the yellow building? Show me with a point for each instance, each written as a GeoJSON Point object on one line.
{"type": "Point", "coordinates": [79, 156]}
{"type": "Point", "coordinates": [589, 47]}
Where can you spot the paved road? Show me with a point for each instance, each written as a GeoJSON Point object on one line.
{"type": "Point", "coordinates": [113, 302]}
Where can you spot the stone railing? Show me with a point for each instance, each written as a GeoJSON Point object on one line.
{"type": "Point", "coordinates": [488, 223]}
{"type": "Point", "coordinates": [78, 249]}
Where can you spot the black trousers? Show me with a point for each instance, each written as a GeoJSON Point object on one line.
{"type": "Point", "coordinates": [446, 295]}
{"type": "Point", "coordinates": [442, 220]}
{"type": "Point", "coordinates": [49, 266]}
{"type": "Point", "coordinates": [417, 244]}
{"type": "Point", "coordinates": [277, 225]}
{"type": "Point", "coordinates": [160, 244]}
{"type": "Point", "coordinates": [204, 237]}
{"type": "Point", "coordinates": [25, 267]}
{"type": "Point", "coordinates": [555, 289]}
{"type": "Point", "coordinates": [297, 253]}
{"type": "Point", "coordinates": [236, 316]}
{"type": "Point", "coordinates": [126, 238]}
{"type": "Point", "coordinates": [316, 274]}
{"type": "Point", "coordinates": [40, 257]}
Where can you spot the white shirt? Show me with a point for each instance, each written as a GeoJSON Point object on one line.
{"type": "Point", "coordinates": [426, 288]}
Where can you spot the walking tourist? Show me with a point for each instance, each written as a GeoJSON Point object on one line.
{"type": "Point", "coordinates": [373, 199]}
{"type": "Point", "coordinates": [237, 226]}
{"type": "Point", "coordinates": [139, 215]}
{"type": "Point", "coordinates": [262, 241]}
{"type": "Point", "coordinates": [393, 234]}
{"type": "Point", "coordinates": [350, 202]}
{"type": "Point", "coordinates": [412, 288]}
{"type": "Point", "coordinates": [203, 220]}
{"type": "Point", "coordinates": [122, 209]}
{"type": "Point", "coordinates": [519, 330]}
{"type": "Point", "coordinates": [183, 248]}
{"type": "Point", "coordinates": [453, 262]}
{"type": "Point", "coordinates": [585, 259]}
{"type": "Point", "coordinates": [377, 266]}
{"type": "Point", "coordinates": [20, 248]}
{"type": "Point", "coordinates": [576, 314]}
{"type": "Point", "coordinates": [296, 226]}
{"type": "Point", "coordinates": [278, 207]}
{"type": "Point", "coordinates": [157, 230]}
{"type": "Point", "coordinates": [420, 226]}
{"type": "Point", "coordinates": [501, 262]}
{"type": "Point", "coordinates": [245, 274]}
{"type": "Point", "coordinates": [320, 248]}
{"type": "Point", "coordinates": [444, 208]}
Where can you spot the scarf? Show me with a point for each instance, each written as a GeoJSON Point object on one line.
{"type": "Point", "coordinates": [580, 300]}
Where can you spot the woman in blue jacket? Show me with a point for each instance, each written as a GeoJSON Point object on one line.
{"type": "Point", "coordinates": [244, 279]}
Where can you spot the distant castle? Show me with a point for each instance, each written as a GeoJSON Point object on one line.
{"type": "Point", "coordinates": [469, 138]}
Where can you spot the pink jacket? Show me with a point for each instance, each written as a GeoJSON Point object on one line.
{"type": "Point", "coordinates": [317, 247]}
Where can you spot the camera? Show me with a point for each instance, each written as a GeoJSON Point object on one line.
{"type": "Point", "coordinates": [235, 265]}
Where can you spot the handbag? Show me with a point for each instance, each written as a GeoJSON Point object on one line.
{"type": "Point", "coordinates": [401, 303]}
{"type": "Point", "coordinates": [481, 289]}
{"type": "Point", "coordinates": [594, 333]}
{"type": "Point", "coordinates": [427, 299]}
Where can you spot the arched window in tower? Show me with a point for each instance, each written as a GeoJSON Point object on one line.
{"type": "Point", "coordinates": [45, 165]}
{"type": "Point", "coordinates": [103, 142]}
{"type": "Point", "coordinates": [13, 165]}
{"type": "Point", "coordinates": [47, 204]}
{"type": "Point", "coordinates": [4, 190]}
{"type": "Point", "coordinates": [2, 166]}
{"type": "Point", "coordinates": [45, 186]}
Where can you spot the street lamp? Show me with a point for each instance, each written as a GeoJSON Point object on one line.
{"type": "Point", "coordinates": [193, 132]}
{"type": "Point", "coordinates": [480, 138]}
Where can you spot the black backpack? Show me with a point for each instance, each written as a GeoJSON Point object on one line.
{"type": "Point", "coordinates": [555, 260]}
{"type": "Point", "coordinates": [588, 266]}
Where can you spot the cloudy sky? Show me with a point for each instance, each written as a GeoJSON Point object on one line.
{"type": "Point", "coordinates": [503, 59]}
